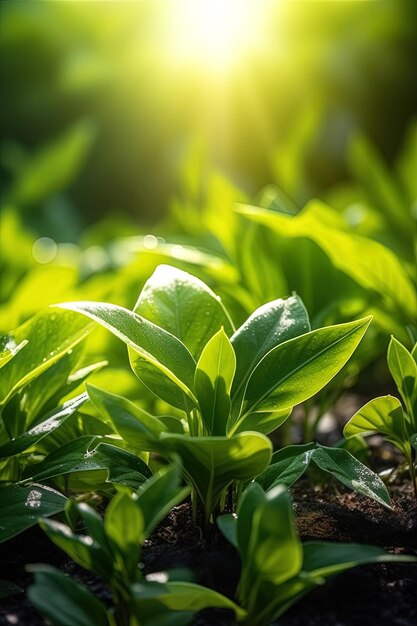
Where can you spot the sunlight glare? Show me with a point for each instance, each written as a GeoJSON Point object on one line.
{"type": "Point", "coordinates": [215, 33]}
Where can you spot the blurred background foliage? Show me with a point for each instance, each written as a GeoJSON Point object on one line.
{"type": "Point", "coordinates": [126, 141]}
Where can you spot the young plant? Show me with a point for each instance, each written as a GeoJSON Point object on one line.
{"type": "Point", "coordinates": [386, 415]}
{"type": "Point", "coordinates": [277, 569]}
{"type": "Point", "coordinates": [233, 387]}
{"type": "Point", "coordinates": [39, 367]}
{"type": "Point", "coordinates": [111, 549]}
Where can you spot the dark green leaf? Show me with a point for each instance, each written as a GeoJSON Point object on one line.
{"type": "Point", "coordinates": [63, 601]}
{"type": "Point", "coordinates": [21, 507]}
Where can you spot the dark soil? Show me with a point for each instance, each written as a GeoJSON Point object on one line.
{"type": "Point", "coordinates": [376, 595]}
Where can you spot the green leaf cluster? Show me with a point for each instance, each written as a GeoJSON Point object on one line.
{"type": "Point", "coordinates": [277, 569]}
{"type": "Point", "coordinates": [232, 387]}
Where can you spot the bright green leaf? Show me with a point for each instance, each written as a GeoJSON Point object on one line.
{"type": "Point", "coordinates": [184, 306]}
{"type": "Point", "coordinates": [213, 382]}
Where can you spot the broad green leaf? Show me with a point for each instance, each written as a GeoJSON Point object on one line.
{"type": "Point", "coordinates": [271, 324]}
{"type": "Point", "coordinates": [158, 358]}
{"type": "Point", "coordinates": [324, 559]}
{"type": "Point", "coordinates": [370, 264]}
{"type": "Point", "coordinates": [351, 472]}
{"type": "Point", "coordinates": [90, 453]}
{"type": "Point", "coordinates": [139, 428]}
{"type": "Point", "coordinates": [403, 369]}
{"type": "Point", "coordinates": [213, 382]}
{"type": "Point", "coordinates": [413, 441]}
{"type": "Point", "coordinates": [382, 415]}
{"type": "Point", "coordinates": [49, 335]}
{"type": "Point", "coordinates": [212, 463]}
{"type": "Point", "coordinates": [159, 494]}
{"type": "Point", "coordinates": [298, 368]}
{"type": "Point", "coordinates": [184, 306]}
{"type": "Point", "coordinates": [274, 550]}
{"type": "Point", "coordinates": [183, 596]}
{"type": "Point", "coordinates": [290, 463]}
{"type": "Point", "coordinates": [72, 605]}
{"type": "Point", "coordinates": [124, 525]}
{"type": "Point", "coordinates": [50, 423]}
{"type": "Point", "coordinates": [21, 507]}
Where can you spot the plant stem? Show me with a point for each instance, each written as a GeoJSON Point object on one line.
{"type": "Point", "coordinates": [194, 505]}
{"type": "Point", "coordinates": [413, 475]}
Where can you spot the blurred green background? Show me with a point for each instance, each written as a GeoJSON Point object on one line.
{"type": "Point", "coordinates": [106, 104]}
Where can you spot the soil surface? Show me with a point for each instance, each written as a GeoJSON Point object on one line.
{"type": "Point", "coordinates": [375, 595]}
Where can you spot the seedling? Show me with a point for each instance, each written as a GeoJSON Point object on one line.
{"type": "Point", "coordinates": [386, 415]}
{"type": "Point", "coordinates": [277, 569]}
{"type": "Point", "coordinates": [111, 550]}
{"type": "Point", "coordinates": [233, 387]}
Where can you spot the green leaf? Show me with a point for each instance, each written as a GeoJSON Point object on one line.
{"type": "Point", "coordinates": [182, 596]}
{"type": "Point", "coordinates": [92, 520]}
{"type": "Point", "coordinates": [270, 325]}
{"type": "Point", "coordinates": [212, 463]}
{"type": "Point", "coordinates": [287, 466]}
{"type": "Point", "coordinates": [290, 463]}
{"type": "Point", "coordinates": [124, 525]}
{"type": "Point", "coordinates": [370, 264]}
{"type": "Point", "coordinates": [264, 423]}
{"type": "Point", "coordinates": [50, 423]}
{"type": "Point", "coordinates": [158, 358]}
{"type": "Point", "coordinates": [253, 498]}
{"type": "Point", "coordinates": [21, 507]}
{"type": "Point", "coordinates": [53, 167]}
{"type": "Point", "coordinates": [228, 527]}
{"type": "Point", "coordinates": [81, 548]}
{"type": "Point", "coordinates": [324, 559]}
{"type": "Point", "coordinates": [381, 415]}
{"type": "Point", "coordinates": [213, 381]}
{"type": "Point", "coordinates": [49, 335]}
{"type": "Point", "coordinates": [184, 306]}
{"type": "Point", "coordinates": [159, 495]}
{"type": "Point", "coordinates": [9, 349]}
{"type": "Point", "coordinates": [320, 561]}
{"type": "Point", "coordinates": [90, 453]}
{"type": "Point", "coordinates": [403, 369]}
{"type": "Point", "coordinates": [297, 369]}
{"type": "Point", "coordinates": [351, 472]}
{"type": "Point", "coordinates": [139, 428]}
{"type": "Point", "coordinates": [381, 187]}
{"type": "Point", "coordinates": [274, 551]}
{"type": "Point", "coordinates": [413, 441]}
{"type": "Point", "coordinates": [72, 605]}
{"type": "Point", "coordinates": [47, 390]}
